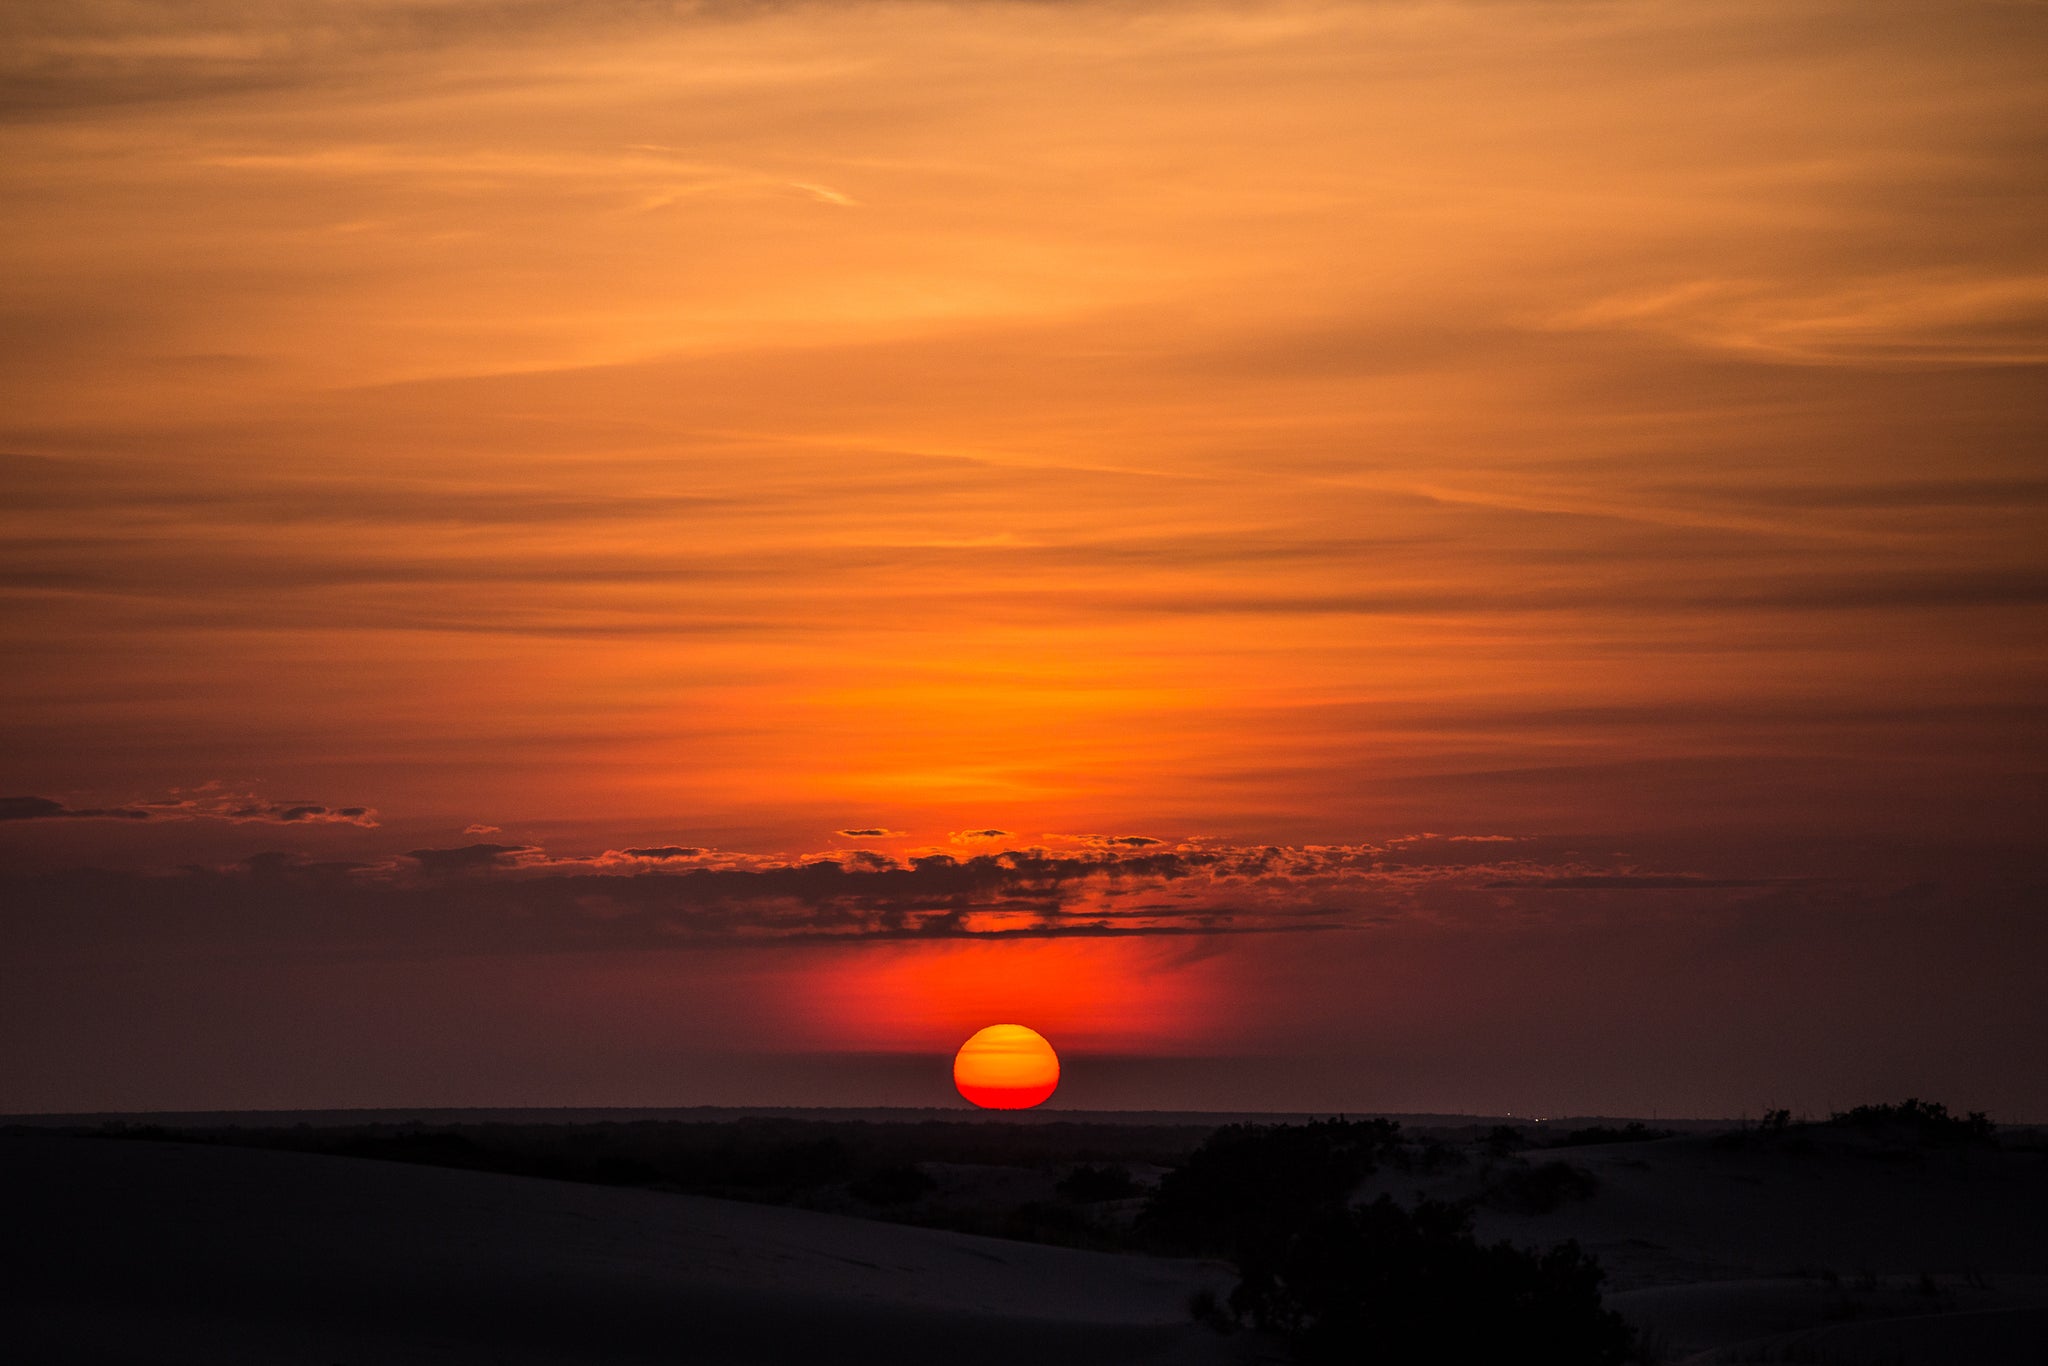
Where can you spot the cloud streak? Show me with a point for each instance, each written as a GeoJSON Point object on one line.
{"type": "Point", "coordinates": [494, 897]}
{"type": "Point", "coordinates": [209, 803]}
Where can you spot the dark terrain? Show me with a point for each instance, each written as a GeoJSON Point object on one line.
{"type": "Point", "coordinates": [1895, 1235]}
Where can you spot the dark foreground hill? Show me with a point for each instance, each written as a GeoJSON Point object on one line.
{"type": "Point", "coordinates": [1893, 1236]}
{"type": "Point", "coordinates": [1824, 1243]}
{"type": "Point", "coordinates": [145, 1252]}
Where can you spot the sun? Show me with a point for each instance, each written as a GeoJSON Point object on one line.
{"type": "Point", "coordinates": [1006, 1067]}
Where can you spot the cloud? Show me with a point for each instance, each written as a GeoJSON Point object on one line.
{"type": "Point", "coordinates": [519, 898]}
{"type": "Point", "coordinates": [469, 857]}
{"type": "Point", "coordinates": [204, 803]}
{"type": "Point", "coordinates": [1780, 592]}
{"type": "Point", "coordinates": [868, 833]}
{"type": "Point", "coordinates": [869, 861]}
{"type": "Point", "coordinates": [93, 54]}
{"type": "Point", "coordinates": [1919, 493]}
{"type": "Point", "coordinates": [44, 809]}
{"type": "Point", "coordinates": [1627, 882]}
{"type": "Point", "coordinates": [514, 897]}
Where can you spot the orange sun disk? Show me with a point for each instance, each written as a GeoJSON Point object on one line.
{"type": "Point", "coordinates": [1006, 1067]}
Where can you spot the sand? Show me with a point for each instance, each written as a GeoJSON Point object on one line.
{"type": "Point", "coordinates": [1847, 1252]}
{"type": "Point", "coordinates": [144, 1252]}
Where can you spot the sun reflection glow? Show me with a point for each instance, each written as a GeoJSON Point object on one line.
{"type": "Point", "coordinates": [1107, 995]}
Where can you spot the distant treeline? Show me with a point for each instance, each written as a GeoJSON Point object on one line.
{"type": "Point", "coordinates": [750, 1154]}
{"type": "Point", "coordinates": [1912, 1123]}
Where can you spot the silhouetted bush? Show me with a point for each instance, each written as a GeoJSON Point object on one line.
{"type": "Point", "coordinates": [1503, 1139]}
{"type": "Point", "coordinates": [1387, 1284]}
{"type": "Point", "coordinates": [1206, 1307]}
{"type": "Point", "coordinates": [1435, 1156]}
{"type": "Point", "coordinates": [434, 1147]}
{"type": "Point", "coordinates": [1087, 1185]}
{"type": "Point", "coordinates": [1250, 1186]}
{"type": "Point", "coordinates": [1047, 1221]}
{"type": "Point", "coordinates": [1379, 1283]}
{"type": "Point", "coordinates": [1538, 1190]}
{"type": "Point", "coordinates": [1917, 1121]}
{"type": "Point", "coordinates": [1774, 1133]}
{"type": "Point", "coordinates": [1635, 1131]}
{"type": "Point", "coordinates": [897, 1185]}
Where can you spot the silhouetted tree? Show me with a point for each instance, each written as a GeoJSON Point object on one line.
{"type": "Point", "coordinates": [1918, 1121]}
{"type": "Point", "coordinates": [1087, 1185]}
{"type": "Point", "coordinates": [895, 1185]}
{"type": "Point", "coordinates": [1386, 1284]}
{"type": "Point", "coordinates": [1635, 1131]}
{"type": "Point", "coordinates": [1378, 1284]}
{"type": "Point", "coordinates": [1504, 1139]}
{"type": "Point", "coordinates": [1539, 1190]}
{"type": "Point", "coordinates": [1250, 1186]}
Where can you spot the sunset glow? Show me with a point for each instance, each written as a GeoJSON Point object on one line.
{"type": "Point", "coordinates": [1128, 995]}
{"type": "Point", "coordinates": [1359, 555]}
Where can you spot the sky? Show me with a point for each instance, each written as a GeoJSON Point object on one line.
{"type": "Point", "coordinates": [1402, 555]}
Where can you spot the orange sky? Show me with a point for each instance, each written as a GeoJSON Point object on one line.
{"type": "Point", "coordinates": [1612, 430]}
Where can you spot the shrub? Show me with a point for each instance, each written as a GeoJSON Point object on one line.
{"type": "Point", "coordinates": [1379, 1283]}
{"type": "Point", "coordinates": [1249, 1186]}
{"type": "Point", "coordinates": [1917, 1121]}
{"type": "Point", "coordinates": [1087, 1185]}
{"type": "Point", "coordinates": [892, 1185]}
{"type": "Point", "coordinates": [1387, 1284]}
{"type": "Point", "coordinates": [1635, 1131]}
{"type": "Point", "coordinates": [1503, 1139]}
{"type": "Point", "coordinates": [1539, 1190]}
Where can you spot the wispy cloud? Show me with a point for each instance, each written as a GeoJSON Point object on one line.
{"type": "Point", "coordinates": [209, 802]}
{"type": "Point", "coordinates": [520, 897]}
{"type": "Point", "coordinates": [46, 808]}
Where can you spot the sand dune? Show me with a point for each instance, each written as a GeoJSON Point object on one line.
{"type": "Point", "coordinates": [1682, 1209]}
{"type": "Point", "coordinates": [1836, 1250]}
{"type": "Point", "coordinates": [1842, 1251]}
{"type": "Point", "coordinates": [137, 1252]}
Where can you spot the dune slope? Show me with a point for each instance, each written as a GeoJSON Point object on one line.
{"type": "Point", "coordinates": [140, 1252]}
